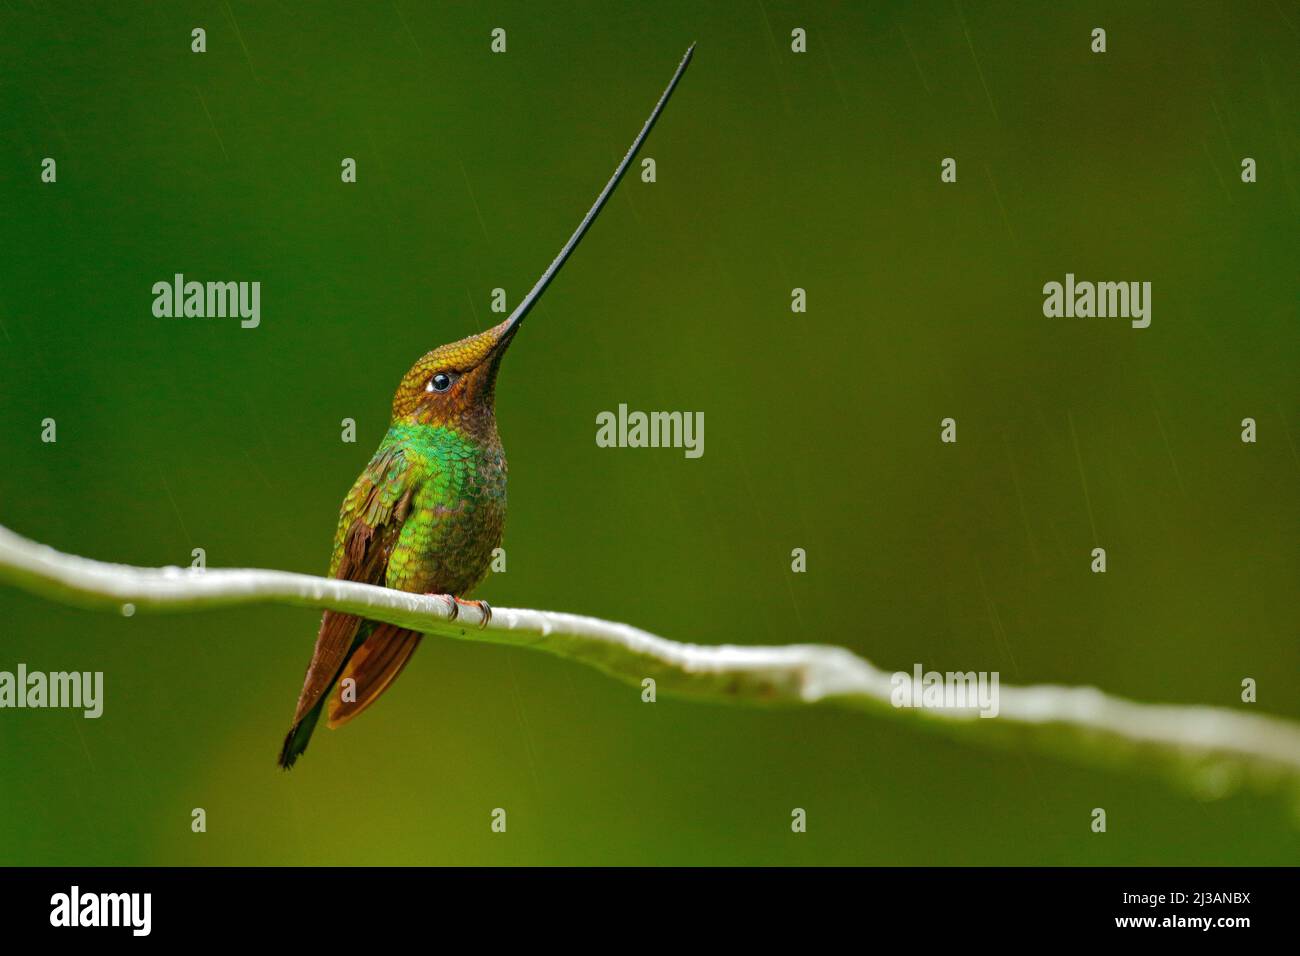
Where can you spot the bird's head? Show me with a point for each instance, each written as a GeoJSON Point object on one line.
{"type": "Point", "coordinates": [455, 383]}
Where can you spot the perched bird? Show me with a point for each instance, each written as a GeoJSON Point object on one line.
{"type": "Point", "coordinates": [430, 508]}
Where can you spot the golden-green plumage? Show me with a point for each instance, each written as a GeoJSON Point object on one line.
{"type": "Point", "coordinates": [454, 516]}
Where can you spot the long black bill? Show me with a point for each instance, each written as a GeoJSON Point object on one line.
{"type": "Point", "coordinates": [516, 317]}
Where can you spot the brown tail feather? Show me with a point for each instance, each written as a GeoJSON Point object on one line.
{"type": "Point", "coordinates": [374, 666]}
{"type": "Point", "coordinates": [337, 634]}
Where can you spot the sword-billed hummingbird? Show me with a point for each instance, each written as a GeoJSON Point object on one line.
{"type": "Point", "coordinates": [428, 511]}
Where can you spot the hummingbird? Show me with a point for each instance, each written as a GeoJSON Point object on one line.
{"type": "Point", "coordinates": [429, 509]}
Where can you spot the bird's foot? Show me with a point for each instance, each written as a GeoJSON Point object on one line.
{"type": "Point", "coordinates": [453, 605]}
{"type": "Point", "coordinates": [484, 608]}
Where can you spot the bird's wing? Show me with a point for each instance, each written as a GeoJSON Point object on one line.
{"type": "Point", "coordinates": [375, 664]}
{"type": "Point", "coordinates": [369, 524]}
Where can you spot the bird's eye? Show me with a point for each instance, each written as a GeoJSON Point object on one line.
{"type": "Point", "coordinates": [439, 383]}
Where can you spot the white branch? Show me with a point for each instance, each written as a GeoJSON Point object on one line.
{"type": "Point", "coordinates": [1212, 750]}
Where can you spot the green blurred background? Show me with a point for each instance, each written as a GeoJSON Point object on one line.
{"type": "Point", "coordinates": [775, 170]}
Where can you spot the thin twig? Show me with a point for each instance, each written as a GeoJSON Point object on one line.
{"type": "Point", "coordinates": [1212, 750]}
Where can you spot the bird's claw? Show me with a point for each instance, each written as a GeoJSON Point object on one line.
{"type": "Point", "coordinates": [484, 609]}
{"type": "Point", "coordinates": [454, 605]}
